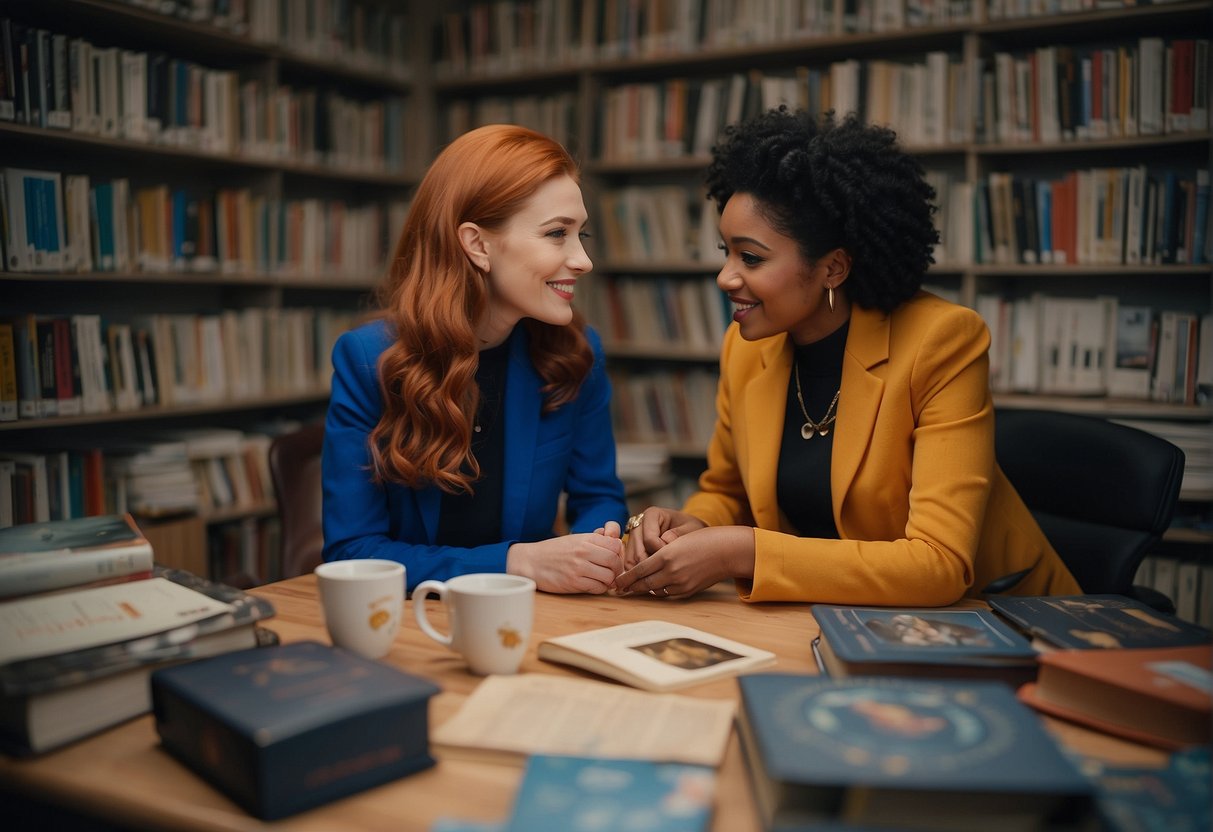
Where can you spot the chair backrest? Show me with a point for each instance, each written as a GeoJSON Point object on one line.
{"type": "Point", "coordinates": [295, 467]}
{"type": "Point", "coordinates": [1103, 493]}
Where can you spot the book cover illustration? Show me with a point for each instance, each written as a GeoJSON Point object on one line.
{"type": "Point", "coordinates": [927, 636]}
{"type": "Point", "coordinates": [559, 794]}
{"type": "Point", "coordinates": [972, 736]}
{"type": "Point", "coordinates": [1176, 798]}
{"type": "Point", "coordinates": [35, 675]}
{"type": "Point", "coordinates": [1082, 622]}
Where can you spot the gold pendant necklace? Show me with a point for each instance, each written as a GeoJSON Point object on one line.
{"type": "Point", "coordinates": [810, 428]}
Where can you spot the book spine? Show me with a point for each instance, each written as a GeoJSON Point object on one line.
{"type": "Point", "coordinates": [23, 574]}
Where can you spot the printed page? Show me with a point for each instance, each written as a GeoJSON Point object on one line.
{"type": "Point", "coordinates": [554, 715]}
{"type": "Point", "coordinates": [59, 623]}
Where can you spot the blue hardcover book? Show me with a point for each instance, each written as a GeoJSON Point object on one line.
{"type": "Point", "coordinates": [886, 641]}
{"type": "Point", "coordinates": [1176, 798]}
{"type": "Point", "coordinates": [1078, 622]}
{"type": "Point", "coordinates": [904, 753]}
{"type": "Point", "coordinates": [283, 729]}
{"type": "Point", "coordinates": [559, 794]}
{"type": "Point", "coordinates": [102, 205]}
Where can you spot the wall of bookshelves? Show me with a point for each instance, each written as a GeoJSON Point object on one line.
{"type": "Point", "coordinates": [1068, 141]}
{"type": "Point", "coordinates": [198, 197]}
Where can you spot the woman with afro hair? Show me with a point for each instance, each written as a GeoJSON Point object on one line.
{"type": "Point", "coordinates": [478, 396]}
{"type": "Point", "coordinates": [853, 456]}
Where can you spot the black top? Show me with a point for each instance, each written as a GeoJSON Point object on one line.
{"type": "Point", "coordinates": [802, 483]}
{"type": "Point", "coordinates": [469, 520]}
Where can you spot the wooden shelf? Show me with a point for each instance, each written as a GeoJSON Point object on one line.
{"type": "Point", "coordinates": [661, 352]}
{"type": "Point", "coordinates": [191, 278]}
{"type": "Point", "coordinates": [1109, 408]}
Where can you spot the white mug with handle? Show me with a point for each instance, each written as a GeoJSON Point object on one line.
{"type": "Point", "coordinates": [490, 617]}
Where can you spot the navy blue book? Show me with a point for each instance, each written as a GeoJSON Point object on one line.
{"type": "Point", "coordinates": [283, 729]}
{"type": "Point", "coordinates": [903, 753]}
{"type": "Point", "coordinates": [559, 794]}
{"type": "Point", "coordinates": [1082, 622]}
{"type": "Point", "coordinates": [935, 643]}
{"type": "Point", "coordinates": [1177, 798]}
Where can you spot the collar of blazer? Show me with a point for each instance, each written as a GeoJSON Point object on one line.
{"type": "Point", "coordinates": [764, 403]}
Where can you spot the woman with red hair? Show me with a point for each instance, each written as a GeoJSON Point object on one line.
{"type": "Point", "coordinates": [478, 395]}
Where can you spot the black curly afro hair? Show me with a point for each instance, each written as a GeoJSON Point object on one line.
{"type": "Point", "coordinates": [830, 183]}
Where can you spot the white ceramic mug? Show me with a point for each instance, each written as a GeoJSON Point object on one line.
{"type": "Point", "coordinates": [363, 603]}
{"type": "Point", "coordinates": [490, 617]}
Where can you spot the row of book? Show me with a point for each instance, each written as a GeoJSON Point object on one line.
{"type": "Point", "coordinates": [1188, 583]}
{"type": "Point", "coordinates": [677, 407]}
{"type": "Point", "coordinates": [199, 471]}
{"type": "Point", "coordinates": [662, 314]}
{"type": "Point", "coordinates": [513, 35]}
{"type": "Point", "coordinates": [659, 223]}
{"type": "Point", "coordinates": [1062, 93]}
{"type": "Point", "coordinates": [1098, 347]}
{"type": "Point", "coordinates": [1019, 9]}
{"type": "Point", "coordinates": [56, 81]}
{"type": "Point", "coordinates": [56, 222]}
{"type": "Point", "coordinates": [246, 552]}
{"type": "Point", "coordinates": [83, 364]}
{"type": "Point", "coordinates": [367, 36]}
{"type": "Point", "coordinates": [553, 115]}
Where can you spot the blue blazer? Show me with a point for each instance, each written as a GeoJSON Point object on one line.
{"type": "Point", "coordinates": [571, 449]}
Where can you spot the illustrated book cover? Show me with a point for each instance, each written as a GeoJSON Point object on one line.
{"type": "Point", "coordinates": [36, 557]}
{"type": "Point", "coordinates": [1157, 696]}
{"type": "Point", "coordinates": [282, 729]}
{"type": "Point", "coordinates": [559, 794]}
{"type": "Point", "coordinates": [49, 700]}
{"type": "Point", "coordinates": [936, 643]}
{"type": "Point", "coordinates": [1175, 798]}
{"type": "Point", "coordinates": [1079, 622]}
{"type": "Point", "coordinates": [905, 753]}
{"type": "Point", "coordinates": [654, 655]}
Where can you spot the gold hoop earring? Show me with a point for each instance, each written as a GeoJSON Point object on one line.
{"type": "Point", "coordinates": [830, 297]}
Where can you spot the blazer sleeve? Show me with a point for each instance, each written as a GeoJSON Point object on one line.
{"type": "Point", "coordinates": [361, 520]}
{"type": "Point", "coordinates": [594, 492]}
{"type": "Point", "coordinates": [911, 520]}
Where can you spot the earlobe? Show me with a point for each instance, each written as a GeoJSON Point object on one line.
{"type": "Point", "coordinates": [474, 244]}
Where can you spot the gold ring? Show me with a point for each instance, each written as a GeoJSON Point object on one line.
{"type": "Point", "coordinates": [634, 521]}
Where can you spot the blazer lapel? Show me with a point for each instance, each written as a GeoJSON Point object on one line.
{"type": "Point", "coordinates": [522, 402]}
{"type": "Point", "coordinates": [764, 402]}
{"type": "Point", "coordinates": [867, 346]}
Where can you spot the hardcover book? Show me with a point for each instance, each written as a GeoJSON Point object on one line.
{"type": "Point", "coordinates": [36, 557]}
{"type": "Point", "coordinates": [921, 642]}
{"type": "Point", "coordinates": [903, 753]}
{"type": "Point", "coordinates": [1157, 696]}
{"type": "Point", "coordinates": [49, 700]}
{"type": "Point", "coordinates": [559, 794]}
{"type": "Point", "coordinates": [654, 655]}
{"type": "Point", "coordinates": [1177, 798]}
{"type": "Point", "coordinates": [1100, 621]}
{"type": "Point", "coordinates": [287, 728]}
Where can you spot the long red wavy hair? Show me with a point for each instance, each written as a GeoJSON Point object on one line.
{"type": "Point", "coordinates": [434, 296]}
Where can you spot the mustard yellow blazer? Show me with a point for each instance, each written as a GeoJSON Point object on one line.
{"type": "Point", "coordinates": [924, 513]}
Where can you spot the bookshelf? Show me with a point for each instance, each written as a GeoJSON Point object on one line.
{"type": "Point", "coordinates": [266, 153]}
{"type": "Point", "coordinates": [945, 75]}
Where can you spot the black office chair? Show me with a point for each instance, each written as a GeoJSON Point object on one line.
{"type": "Point", "coordinates": [295, 468]}
{"type": "Point", "coordinates": [1102, 493]}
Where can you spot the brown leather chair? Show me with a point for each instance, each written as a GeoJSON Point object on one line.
{"type": "Point", "coordinates": [295, 468]}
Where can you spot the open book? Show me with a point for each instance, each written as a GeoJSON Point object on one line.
{"type": "Point", "coordinates": [654, 655]}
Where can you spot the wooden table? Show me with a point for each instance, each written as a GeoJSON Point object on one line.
{"type": "Point", "coordinates": [123, 775]}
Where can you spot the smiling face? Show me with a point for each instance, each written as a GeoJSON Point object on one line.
{"type": "Point", "coordinates": [772, 286]}
{"type": "Point", "coordinates": [533, 262]}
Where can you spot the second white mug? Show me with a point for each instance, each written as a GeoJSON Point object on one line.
{"type": "Point", "coordinates": [490, 617]}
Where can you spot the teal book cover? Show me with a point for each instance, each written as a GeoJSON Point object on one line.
{"type": "Point", "coordinates": [921, 636]}
{"type": "Point", "coordinates": [582, 794]}
{"type": "Point", "coordinates": [283, 729]}
{"type": "Point", "coordinates": [892, 752]}
{"type": "Point", "coordinates": [1082, 622]}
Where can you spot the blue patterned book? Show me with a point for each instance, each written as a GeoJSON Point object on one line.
{"type": "Point", "coordinates": [936, 643]}
{"type": "Point", "coordinates": [1082, 622]}
{"type": "Point", "coordinates": [561, 794]}
{"type": "Point", "coordinates": [903, 753]}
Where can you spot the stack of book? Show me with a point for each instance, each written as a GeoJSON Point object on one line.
{"type": "Point", "coordinates": [87, 616]}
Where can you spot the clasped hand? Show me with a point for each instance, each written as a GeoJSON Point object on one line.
{"type": "Point", "coordinates": [672, 554]}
